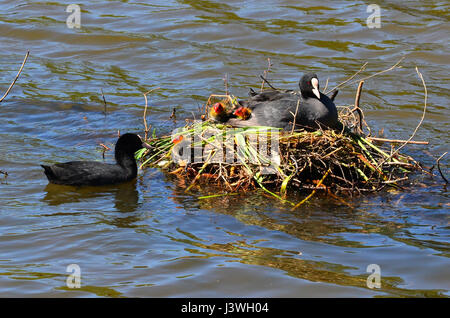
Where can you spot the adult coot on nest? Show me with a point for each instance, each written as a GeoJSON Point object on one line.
{"type": "Point", "coordinates": [282, 109]}
{"type": "Point", "coordinates": [93, 173]}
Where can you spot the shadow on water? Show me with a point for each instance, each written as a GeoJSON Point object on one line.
{"type": "Point", "coordinates": [125, 196]}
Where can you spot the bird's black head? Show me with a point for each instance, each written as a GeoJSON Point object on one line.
{"type": "Point", "coordinates": [127, 145]}
{"type": "Point", "coordinates": [309, 85]}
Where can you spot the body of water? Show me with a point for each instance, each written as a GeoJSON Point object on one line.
{"type": "Point", "coordinates": [149, 238]}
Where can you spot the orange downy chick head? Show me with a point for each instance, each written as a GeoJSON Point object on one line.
{"type": "Point", "coordinates": [217, 108]}
{"type": "Point", "coordinates": [243, 113]}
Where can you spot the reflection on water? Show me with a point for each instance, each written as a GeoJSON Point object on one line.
{"type": "Point", "coordinates": [150, 238]}
{"type": "Point", "coordinates": [125, 196]}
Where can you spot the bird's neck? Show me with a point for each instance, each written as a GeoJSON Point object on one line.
{"type": "Point", "coordinates": [128, 163]}
{"type": "Point", "coordinates": [311, 96]}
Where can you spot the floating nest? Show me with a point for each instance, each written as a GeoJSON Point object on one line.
{"type": "Point", "coordinates": [243, 159]}
{"type": "Point", "coordinates": [340, 163]}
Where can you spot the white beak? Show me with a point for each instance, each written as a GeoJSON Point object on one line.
{"type": "Point", "coordinates": [315, 85]}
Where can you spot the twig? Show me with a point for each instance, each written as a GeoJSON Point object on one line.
{"type": "Point", "coordinates": [105, 147]}
{"type": "Point", "coordinates": [266, 72]}
{"type": "Point", "coordinates": [104, 101]}
{"type": "Point", "coordinates": [326, 84]}
{"type": "Point", "coordinates": [358, 94]}
{"type": "Point", "coordinates": [208, 102]}
{"type": "Point", "coordinates": [265, 80]}
{"type": "Point", "coordinates": [395, 181]}
{"type": "Point", "coordinates": [349, 79]}
{"type": "Point", "coordinates": [17, 76]}
{"type": "Point", "coordinates": [173, 115]}
{"type": "Point", "coordinates": [147, 129]}
{"type": "Point", "coordinates": [379, 73]}
{"type": "Point", "coordinates": [439, 167]}
{"type": "Point", "coordinates": [357, 108]}
{"type": "Point", "coordinates": [394, 163]}
{"type": "Point", "coordinates": [347, 82]}
{"type": "Point", "coordinates": [225, 80]}
{"type": "Point", "coordinates": [295, 117]}
{"type": "Point", "coordinates": [330, 153]}
{"type": "Point", "coordinates": [399, 141]}
{"type": "Point", "coordinates": [421, 120]}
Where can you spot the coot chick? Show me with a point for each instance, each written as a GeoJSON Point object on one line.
{"type": "Point", "coordinates": [94, 173]}
{"type": "Point", "coordinates": [314, 108]}
{"type": "Point", "coordinates": [219, 113]}
{"type": "Point", "coordinates": [242, 113]}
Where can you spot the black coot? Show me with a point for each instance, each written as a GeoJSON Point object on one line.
{"type": "Point", "coordinates": [277, 109]}
{"type": "Point", "coordinates": [93, 173]}
{"type": "Point", "coordinates": [268, 95]}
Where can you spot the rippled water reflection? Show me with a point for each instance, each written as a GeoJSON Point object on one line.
{"type": "Point", "coordinates": [148, 237]}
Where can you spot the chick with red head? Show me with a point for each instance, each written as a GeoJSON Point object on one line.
{"type": "Point", "coordinates": [218, 113]}
{"type": "Point", "coordinates": [242, 113]}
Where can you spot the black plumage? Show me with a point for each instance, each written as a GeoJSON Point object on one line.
{"type": "Point", "coordinates": [277, 109]}
{"type": "Point", "coordinates": [94, 173]}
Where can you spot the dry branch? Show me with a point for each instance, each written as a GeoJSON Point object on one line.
{"type": "Point", "coordinates": [421, 119]}
{"type": "Point", "coordinates": [357, 108]}
{"type": "Point", "coordinates": [17, 76]}
{"type": "Point", "coordinates": [104, 102]}
{"type": "Point", "coordinates": [147, 129]}
{"type": "Point", "coordinates": [399, 141]}
{"type": "Point", "coordinates": [439, 167]}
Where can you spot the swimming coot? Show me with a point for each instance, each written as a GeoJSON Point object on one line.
{"type": "Point", "coordinates": [277, 109]}
{"type": "Point", "coordinates": [94, 173]}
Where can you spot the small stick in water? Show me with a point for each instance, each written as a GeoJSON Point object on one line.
{"type": "Point", "coordinates": [400, 141]}
{"type": "Point", "coordinates": [439, 167]}
{"type": "Point", "coordinates": [225, 80]}
{"type": "Point", "coordinates": [173, 115]}
{"type": "Point", "coordinates": [105, 149]}
{"type": "Point", "coordinates": [17, 76]}
{"type": "Point", "coordinates": [147, 129]}
{"type": "Point", "coordinates": [104, 102]}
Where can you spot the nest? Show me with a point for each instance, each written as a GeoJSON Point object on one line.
{"type": "Point", "coordinates": [243, 159]}
{"type": "Point", "coordinates": [339, 163]}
